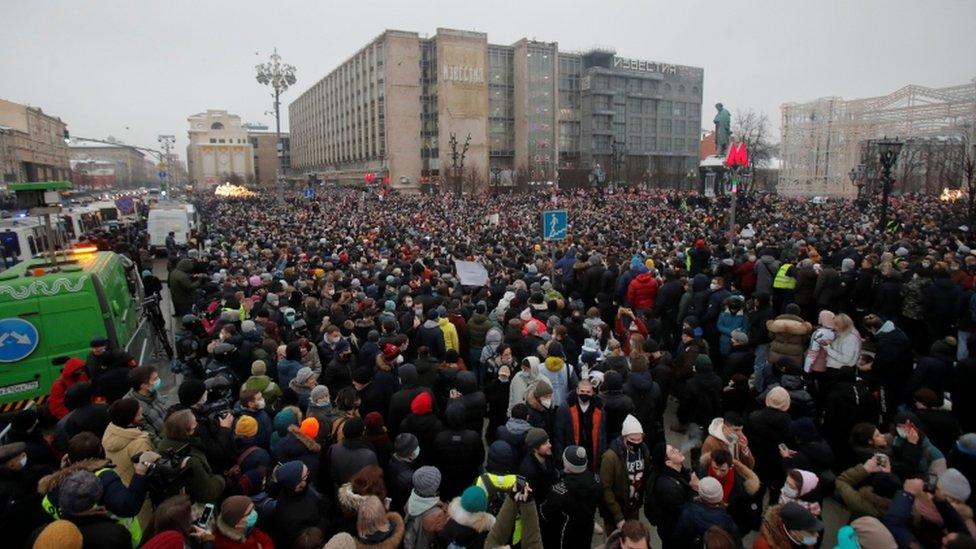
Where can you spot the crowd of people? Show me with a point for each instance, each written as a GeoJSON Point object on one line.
{"type": "Point", "coordinates": [655, 373]}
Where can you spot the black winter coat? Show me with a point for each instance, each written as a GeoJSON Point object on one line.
{"type": "Point", "coordinates": [295, 512]}
{"type": "Point", "coordinates": [616, 407]}
{"type": "Point", "coordinates": [400, 406]}
{"type": "Point", "coordinates": [767, 428]}
{"type": "Point", "coordinates": [567, 514]}
{"type": "Point", "coordinates": [425, 428]}
{"type": "Point", "coordinates": [458, 454]}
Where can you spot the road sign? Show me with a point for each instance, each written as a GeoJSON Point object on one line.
{"type": "Point", "coordinates": [18, 339]}
{"type": "Point", "coordinates": [162, 175]}
{"type": "Point", "coordinates": [162, 165]}
{"type": "Point", "coordinates": [554, 224]}
{"type": "Point", "coordinates": [309, 192]}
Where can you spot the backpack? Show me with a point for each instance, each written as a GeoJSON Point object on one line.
{"type": "Point", "coordinates": [652, 507]}
{"type": "Point", "coordinates": [414, 536]}
{"type": "Point", "coordinates": [234, 473]}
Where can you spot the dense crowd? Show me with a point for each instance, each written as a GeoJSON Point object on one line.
{"type": "Point", "coordinates": [339, 386]}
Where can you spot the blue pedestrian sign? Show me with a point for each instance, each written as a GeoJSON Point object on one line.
{"type": "Point", "coordinates": [309, 192]}
{"type": "Point", "coordinates": [162, 175]}
{"type": "Point", "coordinates": [18, 339]}
{"type": "Point", "coordinates": [554, 224]}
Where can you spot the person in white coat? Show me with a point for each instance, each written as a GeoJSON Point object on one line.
{"type": "Point", "coordinates": [845, 350]}
{"type": "Point", "coordinates": [522, 381]}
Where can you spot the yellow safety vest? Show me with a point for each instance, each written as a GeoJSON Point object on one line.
{"type": "Point", "coordinates": [782, 280]}
{"type": "Point", "coordinates": [129, 523]}
{"type": "Point", "coordinates": [503, 484]}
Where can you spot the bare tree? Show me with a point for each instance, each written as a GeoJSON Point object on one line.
{"type": "Point", "coordinates": [753, 128]}
{"type": "Point", "coordinates": [472, 179]}
{"type": "Point", "coordinates": [969, 174]}
{"type": "Point", "coordinates": [522, 178]}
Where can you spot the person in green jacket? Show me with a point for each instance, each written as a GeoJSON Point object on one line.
{"type": "Point", "coordinates": [182, 286]}
{"type": "Point", "coordinates": [517, 505]}
{"type": "Point", "coordinates": [203, 484]}
{"type": "Point", "coordinates": [260, 381]}
{"type": "Point", "coordinates": [865, 501]}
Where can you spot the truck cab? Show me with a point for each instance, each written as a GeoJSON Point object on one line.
{"type": "Point", "coordinates": [50, 311]}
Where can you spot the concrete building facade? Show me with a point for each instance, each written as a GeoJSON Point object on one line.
{"type": "Point", "coordinates": [530, 110]}
{"type": "Point", "coordinates": [131, 168]}
{"type": "Point", "coordinates": [266, 155]}
{"type": "Point", "coordinates": [32, 146]}
{"type": "Point", "coordinates": [219, 150]}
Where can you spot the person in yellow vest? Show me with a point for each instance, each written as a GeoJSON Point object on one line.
{"type": "Point", "coordinates": [122, 503]}
{"type": "Point", "coordinates": [784, 285]}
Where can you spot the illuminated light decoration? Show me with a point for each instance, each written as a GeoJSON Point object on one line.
{"type": "Point", "coordinates": [950, 195]}
{"type": "Point", "coordinates": [84, 250]}
{"type": "Point", "coordinates": [233, 191]}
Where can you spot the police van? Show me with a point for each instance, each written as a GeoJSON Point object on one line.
{"type": "Point", "coordinates": [49, 311]}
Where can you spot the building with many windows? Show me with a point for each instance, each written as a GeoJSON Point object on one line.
{"type": "Point", "coordinates": [32, 146]}
{"type": "Point", "coordinates": [525, 111]}
{"type": "Point", "coordinates": [266, 154]}
{"type": "Point", "coordinates": [219, 150]}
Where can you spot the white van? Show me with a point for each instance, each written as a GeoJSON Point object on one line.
{"type": "Point", "coordinates": [165, 219]}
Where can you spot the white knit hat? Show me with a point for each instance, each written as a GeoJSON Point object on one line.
{"type": "Point", "coordinates": [631, 426]}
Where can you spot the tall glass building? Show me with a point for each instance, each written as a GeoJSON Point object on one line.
{"type": "Point", "coordinates": [528, 112]}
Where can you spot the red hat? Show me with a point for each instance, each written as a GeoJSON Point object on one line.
{"type": "Point", "coordinates": [390, 351]}
{"type": "Point", "coordinates": [422, 404]}
{"type": "Point", "coordinates": [373, 422]}
{"type": "Point", "coordinates": [699, 243]}
{"type": "Point", "coordinates": [73, 365]}
{"type": "Point", "coordinates": [310, 427]}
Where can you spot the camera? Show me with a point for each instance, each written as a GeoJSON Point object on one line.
{"type": "Point", "coordinates": [165, 471]}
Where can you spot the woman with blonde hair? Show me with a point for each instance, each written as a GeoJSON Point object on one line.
{"type": "Point", "coordinates": [845, 350]}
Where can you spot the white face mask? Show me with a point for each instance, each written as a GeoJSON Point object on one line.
{"type": "Point", "coordinates": [23, 461]}
{"type": "Point", "coordinates": [901, 432]}
{"type": "Point", "coordinates": [789, 491]}
{"type": "Point", "coordinates": [261, 404]}
{"type": "Point", "coordinates": [546, 402]}
{"type": "Point", "coordinates": [713, 286]}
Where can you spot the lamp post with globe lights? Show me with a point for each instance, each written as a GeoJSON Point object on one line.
{"type": "Point", "coordinates": [888, 150]}
{"type": "Point", "coordinates": [279, 76]}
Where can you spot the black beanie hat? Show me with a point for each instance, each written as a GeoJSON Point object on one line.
{"type": "Point", "coordinates": [191, 391]}
{"type": "Point", "coordinates": [353, 428]}
{"type": "Point", "coordinates": [123, 412]}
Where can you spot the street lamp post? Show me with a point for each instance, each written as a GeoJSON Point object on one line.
{"type": "Point", "coordinates": [167, 141]}
{"type": "Point", "coordinates": [279, 76]}
{"type": "Point", "coordinates": [888, 150]}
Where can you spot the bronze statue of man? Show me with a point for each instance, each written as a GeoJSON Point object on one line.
{"type": "Point", "coordinates": [723, 129]}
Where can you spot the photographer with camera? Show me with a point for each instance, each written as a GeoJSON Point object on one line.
{"type": "Point", "coordinates": [124, 503]}
{"type": "Point", "coordinates": [214, 420]}
{"type": "Point", "coordinates": [202, 483]}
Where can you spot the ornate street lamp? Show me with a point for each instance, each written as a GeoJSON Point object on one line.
{"type": "Point", "coordinates": [888, 150]}
{"type": "Point", "coordinates": [279, 76]}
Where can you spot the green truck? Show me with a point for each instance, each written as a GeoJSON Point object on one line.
{"type": "Point", "coordinates": [50, 312]}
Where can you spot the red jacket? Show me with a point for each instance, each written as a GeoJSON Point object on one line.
{"type": "Point", "coordinates": [73, 372]}
{"type": "Point", "coordinates": [747, 277]}
{"type": "Point", "coordinates": [642, 291]}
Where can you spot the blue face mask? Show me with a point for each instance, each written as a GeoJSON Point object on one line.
{"type": "Point", "coordinates": [809, 540]}
{"type": "Point", "coordinates": [156, 385]}
{"type": "Point", "coordinates": [252, 519]}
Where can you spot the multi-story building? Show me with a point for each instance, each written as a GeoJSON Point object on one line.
{"type": "Point", "coordinates": [130, 169]}
{"type": "Point", "coordinates": [266, 155]}
{"type": "Point", "coordinates": [32, 146]}
{"type": "Point", "coordinates": [219, 150]}
{"type": "Point", "coordinates": [525, 110]}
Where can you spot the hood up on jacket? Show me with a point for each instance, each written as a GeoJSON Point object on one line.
{"type": "Point", "coordinates": [479, 522]}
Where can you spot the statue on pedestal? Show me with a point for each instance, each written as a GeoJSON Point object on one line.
{"type": "Point", "coordinates": [723, 129]}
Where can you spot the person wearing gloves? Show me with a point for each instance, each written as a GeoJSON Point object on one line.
{"type": "Point", "coordinates": [235, 527]}
{"type": "Point", "coordinates": [623, 471]}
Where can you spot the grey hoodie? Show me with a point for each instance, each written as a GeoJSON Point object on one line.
{"type": "Point", "coordinates": [521, 382]}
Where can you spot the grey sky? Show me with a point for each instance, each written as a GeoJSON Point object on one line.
{"type": "Point", "coordinates": [136, 69]}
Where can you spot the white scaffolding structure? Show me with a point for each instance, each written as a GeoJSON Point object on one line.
{"type": "Point", "coordinates": [821, 139]}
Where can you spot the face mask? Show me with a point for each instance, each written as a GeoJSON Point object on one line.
{"type": "Point", "coordinates": [261, 404]}
{"type": "Point", "coordinates": [23, 461]}
{"type": "Point", "coordinates": [546, 402]}
{"type": "Point", "coordinates": [714, 286]}
{"type": "Point", "coordinates": [584, 398]}
{"type": "Point", "coordinates": [252, 519]}
{"type": "Point", "coordinates": [415, 454]}
{"type": "Point", "coordinates": [503, 379]}
{"type": "Point", "coordinates": [809, 540]}
{"type": "Point", "coordinates": [901, 432]}
{"type": "Point", "coordinates": [789, 491]}
{"type": "Point", "coordinates": [156, 385]}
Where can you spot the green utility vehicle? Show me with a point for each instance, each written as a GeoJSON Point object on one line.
{"type": "Point", "coordinates": [49, 311]}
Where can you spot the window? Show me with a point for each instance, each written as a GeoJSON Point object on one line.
{"type": "Point", "coordinates": [212, 140]}
{"type": "Point", "coordinates": [216, 126]}
{"type": "Point", "coordinates": [664, 108]}
{"type": "Point", "coordinates": [220, 140]}
{"type": "Point", "coordinates": [31, 245]}
{"type": "Point", "coordinates": [679, 108]}
{"type": "Point", "coordinates": [634, 106]}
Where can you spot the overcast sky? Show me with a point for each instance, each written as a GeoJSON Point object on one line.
{"type": "Point", "coordinates": [135, 69]}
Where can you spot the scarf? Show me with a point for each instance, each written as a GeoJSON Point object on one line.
{"type": "Point", "coordinates": [728, 481]}
{"type": "Point", "coordinates": [418, 505]}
